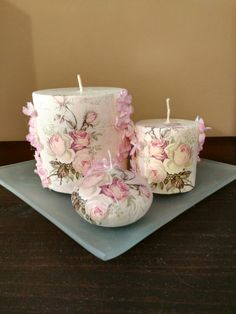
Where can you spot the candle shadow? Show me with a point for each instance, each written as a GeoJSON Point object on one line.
{"type": "Point", "coordinates": [17, 78]}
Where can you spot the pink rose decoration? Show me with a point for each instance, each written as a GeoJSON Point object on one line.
{"type": "Point", "coordinates": [97, 178]}
{"type": "Point", "coordinates": [182, 155]}
{"type": "Point", "coordinates": [32, 137]}
{"type": "Point", "coordinates": [82, 161]}
{"type": "Point", "coordinates": [97, 208]}
{"type": "Point", "coordinates": [201, 125]}
{"type": "Point", "coordinates": [124, 101]}
{"type": "Point", "coordinates": [156, 171]}
{"type": "Point", "coordinates": [202, 136]}
{"type": "Point", "coordinates": [118, 190]}
{"type": "Point", "coordinates": [90, 185]}
{"type": "Point", "coordinates": [41, 171]}
{"type": "Point", "coordinates": [32, 122]}
{"type": "Point", "coordinates": [129, 131]}
{"type": "Point", "coordinates": [91, 117]}
{"type": "Point", "coordinates": [59, 145]}
{"type": "Point", "coordinates": [81, 139]}
{"type": "Point", "coordinates": [124, 124]}
{"type": "Point", "coordinates": [157, 149]}
{"type": "Point", "coordinates": [179, 157]}
{"type": "Point", "coordinates": [29, 110]}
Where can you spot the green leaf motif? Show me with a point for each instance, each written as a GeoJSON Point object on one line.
{"type": "Point", "coordinates": [55, 163]}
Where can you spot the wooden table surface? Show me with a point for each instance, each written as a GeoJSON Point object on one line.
{"type": "Point", "coordinates": [187, 266]}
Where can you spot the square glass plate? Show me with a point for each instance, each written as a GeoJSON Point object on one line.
{"type": "Point", "coordinates": [107, 243]}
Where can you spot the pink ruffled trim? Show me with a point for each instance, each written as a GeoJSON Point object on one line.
{"type": "Point", "coordinates": [32, 137]}
{"type": "Point", "coordinates": [124, 124]}
{"type": "Point", "coordinates": [201, 134]}
{"type": "Point", "coordinates": [41, 171]}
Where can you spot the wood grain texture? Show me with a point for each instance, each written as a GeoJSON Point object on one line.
{"type": "Point", "coordinates": [187, 266]}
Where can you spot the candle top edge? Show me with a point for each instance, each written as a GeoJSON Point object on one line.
{"type": "Point", "coordinates": [74, 91]}
{"type": "Point", "coordinates": [162, 123]}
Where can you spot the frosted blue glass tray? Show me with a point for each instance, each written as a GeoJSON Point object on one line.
{"type": "Point", "coordinates": [107, 243]}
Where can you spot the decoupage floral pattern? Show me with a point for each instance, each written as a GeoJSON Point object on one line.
{"type": "Point", "coordinates": [165, 157]}
{"type": "Point", "coordinates": [72, 151]}
{"type": "Point", "coordinates": [71, 147]}
{"type": "Point", "coordinates": [112, 197]}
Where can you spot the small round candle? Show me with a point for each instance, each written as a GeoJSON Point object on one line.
{"type": "Point", "coordinates": [112, 197]}
{"type": "Point", "coordinates": [166, 153]}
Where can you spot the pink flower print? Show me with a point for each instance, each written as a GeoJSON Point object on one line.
{"type": "Point", "coordinates": [82, 161]}
{"type": "Point", "coordinates": [179, 156]}
{"type": "Point", "coordinates": [81, 139]}
{"type": "Point", "coordinates": [97, 178]}
{"type": "Point", "coordinates": [89, 186]}
{"type": "Point", "coordinates": [144, 191]}
{"type": "Point", "coordinates": [118, 190]}
{"type": "Point", "coordinates": [59, 145]}
{"type": "Point", "coordinates": [157, 149]}
{"type": "Point", "coordinates": [156, 171]}
{"type": "Point", "coordinates": [182, 155]}
{"type": "Point", "coordinates": [91, 117]}
{"type": "Point", "coordinates": [29, 110]}
{"type": "Point", "coordinates": [97, 207]}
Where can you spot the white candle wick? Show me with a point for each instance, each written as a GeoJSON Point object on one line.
{"type": "Point", "coordinates": [110, 159]}
{"type": "Point", "coordinates": [80, 83]}
{"type": "Point", "coordinates": [168, 110]}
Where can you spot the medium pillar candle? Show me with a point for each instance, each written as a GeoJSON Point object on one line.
{"type": "Point", "coordinates": [166, 154]}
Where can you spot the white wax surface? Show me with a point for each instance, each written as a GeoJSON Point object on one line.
{"type": "Point", "coordinates": [161, 123]}
{"type": "Point", "coordinates": [74, 91]}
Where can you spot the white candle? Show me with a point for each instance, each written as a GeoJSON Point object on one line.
{"type": "Point", "coordinates": [166, 154]}
{"type": "Point", "coordinates": [71, 128]}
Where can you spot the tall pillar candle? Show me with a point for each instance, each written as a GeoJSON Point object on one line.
{"type": "Point", "coordinates": [71, 128]}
